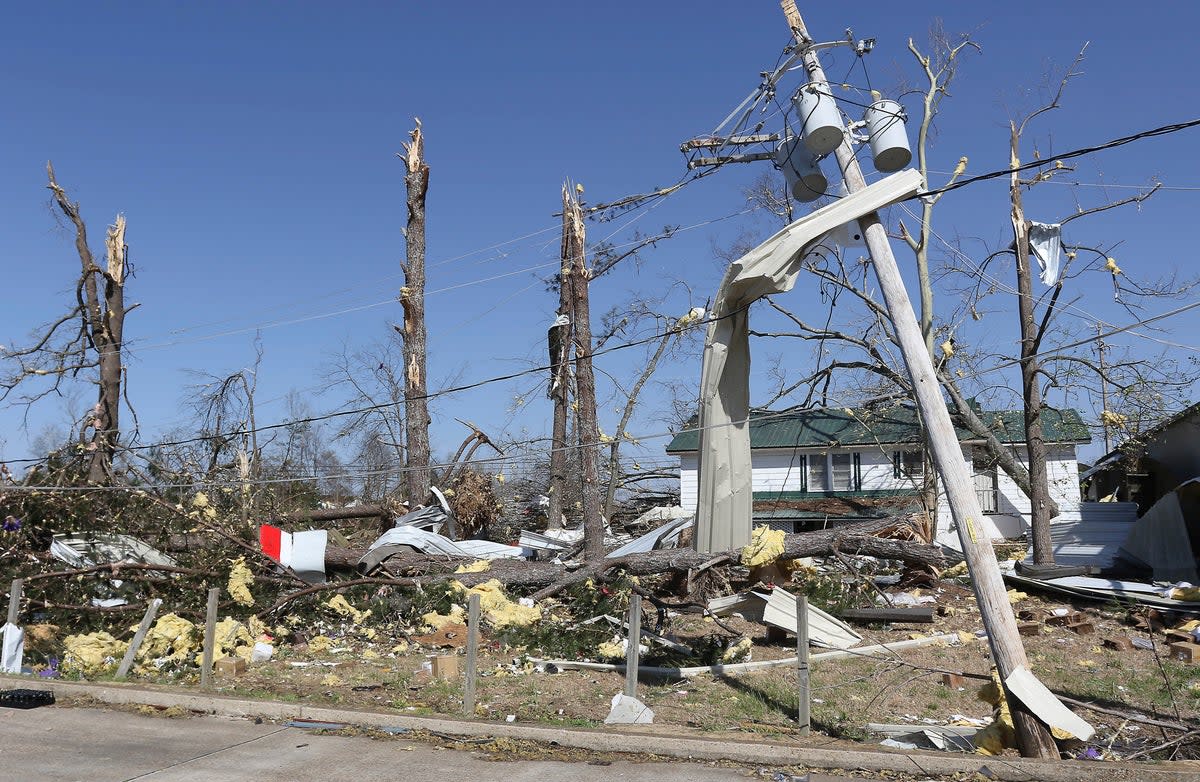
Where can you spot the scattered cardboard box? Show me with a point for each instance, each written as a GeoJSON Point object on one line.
{"type": "Point", "coordinates": [445, 666]}
{"type": "Point", "coordinates": [1186, 651]}
{"type": "Point", "coordinates": [953, 680]}
{"type": "Point", "coordinates": [230, 666]}
{"type": "Point", "coordinates": [1120, 643]}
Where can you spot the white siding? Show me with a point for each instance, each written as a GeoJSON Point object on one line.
{"type": "Point", "coordinates": [779, 470]}
{"type": "Point", "coordinates": [689, 488]}
{"type": "Point", "coordinates": [1012, 517]}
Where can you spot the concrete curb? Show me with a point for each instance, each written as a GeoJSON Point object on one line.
{"type": "Point", "coordinates": [757, 752]}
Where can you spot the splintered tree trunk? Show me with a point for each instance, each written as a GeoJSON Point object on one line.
{"type": "Point", "coordinates": [1039, 495]}
{"type": "Point", "coordinates": [559, 339]}
{"type": "Point", "coordinates": [104, 320]}
{"type": "Point", "coordinates": [585, 381]}
{"type": "Point", "coordinates": [412, 298]}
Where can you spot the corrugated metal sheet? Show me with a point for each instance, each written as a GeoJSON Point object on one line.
{"type": "Point", "coordinates": [1092, 535]}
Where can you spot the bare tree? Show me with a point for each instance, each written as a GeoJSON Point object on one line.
{"type": "Point", "coordinates": [666, 328]}
{"type": "Point", "coordinates": [88, 338]}
{"type": "Point", "coordinates": [412, 299]}
{"type": "Point", "coordinates": [1037, 360]}
{"type": "Point", "coordinates": [369, 375]}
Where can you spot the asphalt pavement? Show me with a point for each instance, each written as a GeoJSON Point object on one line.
{"type": "Point", "coordinates": [59, 744]}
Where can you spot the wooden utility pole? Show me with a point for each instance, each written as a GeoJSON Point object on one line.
{"type": "Point", "coordinates": [587, 431]}
{"type": "Point", "coordinates": [998, 620]}
{"type": "Point", "coordinates": [412, 298]}
{"type": "Point", "coordinates": [1031, 393]}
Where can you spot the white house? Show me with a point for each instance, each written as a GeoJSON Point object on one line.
{"type": "Point", "coordinates": [819, 467]}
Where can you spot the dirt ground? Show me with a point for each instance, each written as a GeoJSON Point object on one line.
{"type": "Point", "coordinates": [846, 693]}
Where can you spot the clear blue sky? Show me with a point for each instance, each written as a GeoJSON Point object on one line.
{"type": "Point", "coordinates": [252, 148]}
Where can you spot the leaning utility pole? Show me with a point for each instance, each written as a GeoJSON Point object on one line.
{"type": "Point", "coordinates": [1009, 655]}
{"type": "Point", "coordinates": [588, 433]}
{"type": "Point", "coordinates": [412, 299]}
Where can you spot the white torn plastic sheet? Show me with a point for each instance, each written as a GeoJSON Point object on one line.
{"type": "Point", "coordinates": [823, 630]}
{"type": "Point", "coordinates": [303, 552]}
{"type": "Point", "coordinates": [666, 536]}
{"type": "Point", "coordinates": [1045, 242]}
{"type": "Point", "coordinates": [627, 710]}
{"type": "Point", "coordinates": [13, 649]}
{"type": "Point", "coordinates": [725, 496]}
{"type": "Point", "coordinates": [1024, 686]}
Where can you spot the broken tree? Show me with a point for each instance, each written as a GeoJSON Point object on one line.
{"type": "Point", "coordinates": [586, 429]}
{"type": "Point", "coordinates": [97, 316]}
{"type": "Point", "coordinates": [412, 299]}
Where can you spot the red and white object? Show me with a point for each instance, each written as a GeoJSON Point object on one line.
{"type": "Point", "coordinates": [303, 552]}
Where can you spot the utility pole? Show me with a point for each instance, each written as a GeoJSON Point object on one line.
{"type": "Point", "coordinates": [998, 620]}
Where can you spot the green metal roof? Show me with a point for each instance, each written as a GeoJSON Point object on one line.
{"type": "Point", "coordinates": [832, 427]}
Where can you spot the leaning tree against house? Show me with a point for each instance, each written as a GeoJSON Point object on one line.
{"type": "Point", "coordinates": [87, 339]}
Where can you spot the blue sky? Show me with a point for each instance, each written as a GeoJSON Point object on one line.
{"type": "Point", "coordinates": [252, 148]}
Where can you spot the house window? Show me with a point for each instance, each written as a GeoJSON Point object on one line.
{"type": "Point", "coordinates": [834, 472]}
{"type": "Point", "coordinates": [842, 470]}
{"type": "Point", "coordinates": [818, 473]}
{"type": "Point", "coordinates": [908, 464]}
{"type": "Point", "coordinates": [987, 483]}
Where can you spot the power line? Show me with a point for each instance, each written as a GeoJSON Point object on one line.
{"type": "Point", "coordinates": [1117, 142]}
{"type": "Point", "coordinates": [1071, 309]}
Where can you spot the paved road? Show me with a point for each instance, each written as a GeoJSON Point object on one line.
{"type": "Point", "coordinates": [58, 744]}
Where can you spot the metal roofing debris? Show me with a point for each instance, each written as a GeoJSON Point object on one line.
{"type": "Point", "coordinates": [430, 518]}
{"type": "Point", "coordinates": [823, 629]}
{"type": "Point", "coordinates": [551, 539]}
{"type": "Point", "coordinates": [1105, 589]}
{"type": "Point", "coordinates": [1093, 534]}
{"type": "Point", "coordinates": [1160, 540]}
{"type": "Point", "coordinates": [102, 548]}
{"type": "Point", "coordinates": [1045, 705]}
{"type": "Point", "coordinates": [724, 501]}
{"type": "Point", "coordinates": [666, 536]}
{"type": "Point", "coordinates": [412, 538]}
{"type": "Point", "coordinates": [896, 425]}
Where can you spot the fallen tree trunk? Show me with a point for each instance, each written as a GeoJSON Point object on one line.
{"type": "Point", "coordinates": [849, 539]}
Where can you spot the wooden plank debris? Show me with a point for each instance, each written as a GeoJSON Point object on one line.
{"type": "Point", "coordinates": [923, 614]}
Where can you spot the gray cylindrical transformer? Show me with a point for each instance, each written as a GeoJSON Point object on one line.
{"type": "Point", "coordinates": [823, 128]}
{"type": "Point", "coordinates": [889, 139]}
{"type": "Point", "coordinates": [804, 178]}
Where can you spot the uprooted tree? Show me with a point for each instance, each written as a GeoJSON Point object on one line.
{"type": "Point", "coordinates": [87, 340]}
